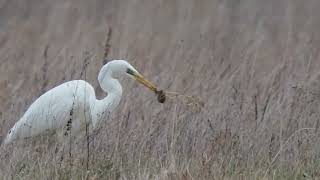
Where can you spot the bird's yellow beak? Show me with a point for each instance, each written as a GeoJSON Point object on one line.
{"type": "Point", "coordinates": [145, 82]}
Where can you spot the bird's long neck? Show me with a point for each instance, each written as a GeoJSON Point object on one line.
{"type": "Point", "coordinates": [103, 107]}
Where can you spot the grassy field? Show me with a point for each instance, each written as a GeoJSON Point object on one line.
{"type": "Point", "coordinates": [252, 66]}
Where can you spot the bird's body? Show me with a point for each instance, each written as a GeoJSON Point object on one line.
{"type": "Point", "coordinates": [71, 106]}
{"type": "Point", "coordinates": [70, 101]}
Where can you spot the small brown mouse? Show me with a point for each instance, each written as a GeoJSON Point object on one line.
{"type": "Point", "coordinates": [161, 96]}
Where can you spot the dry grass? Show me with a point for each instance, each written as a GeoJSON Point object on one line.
{"type": "Point", "coordinates": [246, 73]}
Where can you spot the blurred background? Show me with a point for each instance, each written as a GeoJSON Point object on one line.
{"type": "Point", "coordinates": [254, 64]}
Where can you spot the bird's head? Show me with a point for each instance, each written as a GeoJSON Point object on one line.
{"type": "Point", "coordinates": [119, 68]}
{"type": "Point", "coordinates": [11, 136]}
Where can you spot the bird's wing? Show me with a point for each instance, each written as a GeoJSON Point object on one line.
{"type": "Point", "coordinates": [55, 108]}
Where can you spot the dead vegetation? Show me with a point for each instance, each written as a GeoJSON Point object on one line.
{"type": "Point", "coordinates": [246, 73]}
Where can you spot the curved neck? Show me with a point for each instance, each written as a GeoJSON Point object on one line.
{"type": "Point", "coordinates": [103, 107]}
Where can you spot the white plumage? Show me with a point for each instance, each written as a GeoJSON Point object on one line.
{"type": "Point", "coordinates": [69, 106]}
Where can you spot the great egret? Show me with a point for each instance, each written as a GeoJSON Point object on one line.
{"type": "Point", "coordinates": [73, 105]}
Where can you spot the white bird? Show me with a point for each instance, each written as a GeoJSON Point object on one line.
{"type": "Point", "coordinates": [73, 105]}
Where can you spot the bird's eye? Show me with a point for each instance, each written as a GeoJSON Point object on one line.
{"type": "Point", "coordinates": [10, 131]}
{"type": "Point", "coordinates": [129, 71]}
